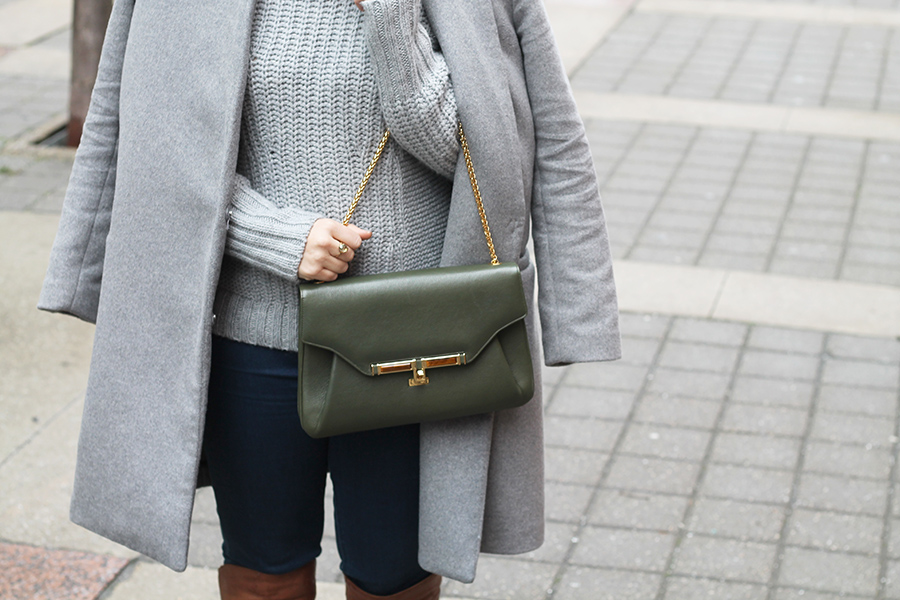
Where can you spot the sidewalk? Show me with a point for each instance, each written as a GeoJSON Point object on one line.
{"type": "Point", "coordinates": [744, 448]}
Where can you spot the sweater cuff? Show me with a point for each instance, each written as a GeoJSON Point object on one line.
{"type": "Point", "coordinates": [399, 45]}
{"type": "Point", "coordinates": [264, 235]}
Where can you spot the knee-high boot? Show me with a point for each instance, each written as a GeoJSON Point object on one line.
{"type": "Point", "coordinates": [240, 583]}
{"type": "Point", "coordinates": [427, 589]}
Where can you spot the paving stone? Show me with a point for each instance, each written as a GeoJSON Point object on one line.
{"type": "Point", "coordinates": [572, 432]}
{"type": "Point", "coordinates": [801, 230]}
{"type": "Point", "coordinates": [692, 588]}
{"type": "Point", "coordinates": [724, 559]}
{"type": "Point", "coordinates": [784, 593]}
{"type": "Point", "coordinates": [856, 461]}
{"type": "Point", "coordinates": [733, 262]}
{"type": "Point", "coordinates": [734, 519]}
{"type": "Point", "coordinates": [852, 429]}
{"type": "Point", "coordinates": [607, 375]}
{"type": "Point", "coordinates": [582, 583]}
{"type": "Point", "coordinates": [552, 375]}
{"type": "Point", "coordinates": [638, 510]}
{"type": "Point", "coordinates": [778, 365]}
{"type": "Point", "coordinates": [587, 402]}
{"type": "Point", "coordinates": [643, 325]}
{"type": "Point", "coordinates": [708, 332]}
{"type": "Point", "coordinates": [849, 399]}
{"type": "Point", "coordinates": [689, 383]}
{"type": "Point", "coordinates": [653, 475]}
{"type": "Point", "coordinates": [871, 274]}
{"type": "Point", "coordinates": [557, 542]}
{"type": "Point", "coordinates": [751, 418]}
{"type": "Point", "coordinates": [753, 245]}
{"type": "Point", "coordinates": [677, 412]}
{"type": "Point", "coordinates": [16, 199]}
{"type": "Point", "coordinates": [753, 209]}
{"type": "Point", "coordinates": [498, 575]}
{"type": "Point", "coordinates": [835, 532]}
{"type": "Point", "coordinates": [756, 450]}
{"type": "Point", "coordinates": [665, 442]}
{"type": "Point", "coordinates": [894, 537]}
{"type": "Point", "coordinates": [568, 465]}
{"type": "Point", "coordinates": [639, 351]}
{"type": "Point", "coordinates": [892, 581]}
{"type": "Point", "coordinates": [800, 267]}
{"type": "Point", "coordinates": [747, 226]}
{"type": "Point", "coordinates": [620, 548]}
{"type": "Point", "coordinates": [860, 373]}
{"type": "Point", "coordinates": [30, 572]}
{"type": "Point", "coordinates": [747, 483]}
{"type": "Point", "coordinates": [829, 571]}
{"type": "Point", "coordinates": [689, 203]}
{"type": "Point", "coordinates": [842, 494]}
{"type": "Point", "coordinates": [771, 392]}
{"type": "Point", "coordinates": [701, 357]}
{"type": "Point", "coordinates": [862, 348]}
{"type": "Point", "coordinates": [786, 340]}
{"type": "Point", "coordinates": [659, 254]}
{"type": "Point", "coordinates": [672, 238]}
{"type": "Point", "coordinates": [566, 502]}
{"type": "Point", "coordinates": [205, 549]}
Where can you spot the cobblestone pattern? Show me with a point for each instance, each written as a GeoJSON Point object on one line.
{"type": "Point", "coordinates": [36, 184]}
{"type": "Point", "coordinates": [27, 102]}
{"type": "Point", "coordinates": [719, 460]}
{"type": "Point", "coordinates": [715, 460]}
{"type": "Point", "coordinates": [745, 60]}
{"type": "Point", "coordinates": [790, 204]}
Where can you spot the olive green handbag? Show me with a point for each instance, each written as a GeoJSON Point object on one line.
{"type": "Point", "coordinates": [397, 348]}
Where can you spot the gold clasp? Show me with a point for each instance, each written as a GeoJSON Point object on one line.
{"type": "Point", "coordinates": [419, 377]}
{"type": "Point", "coordinates": [418, 366]}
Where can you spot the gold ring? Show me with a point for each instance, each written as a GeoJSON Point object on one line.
{"type": "Point", "coordinates": [342, 248]}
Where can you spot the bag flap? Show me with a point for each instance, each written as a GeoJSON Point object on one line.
{"type": "Point", "coordinates": [412, 314]}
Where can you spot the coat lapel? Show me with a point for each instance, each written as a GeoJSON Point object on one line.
{"type": "Point", "coordinates": [468, 34]}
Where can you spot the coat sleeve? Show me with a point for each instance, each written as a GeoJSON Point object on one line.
{"type": "Point", "coordinates": [577, 295]}
{"type": "Point", "coordinates": [72, 283]}
{"type": "Point", "coordinates": [413, 82]}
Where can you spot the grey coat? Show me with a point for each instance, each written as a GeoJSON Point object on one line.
{"type": "Point", "coordinates": [141, 241]}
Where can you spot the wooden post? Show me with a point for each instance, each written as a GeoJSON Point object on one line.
{"type": "Point", "coordinates": [88, 30]}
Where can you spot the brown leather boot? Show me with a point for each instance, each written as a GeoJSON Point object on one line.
{"type": "Point", "coordinates": [427, 589]}
{"type": "Point", "coordinates": [240, 583]}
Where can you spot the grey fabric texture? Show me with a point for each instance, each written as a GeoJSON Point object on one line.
{"type": "Point", "coordinates": [175, 119]}
{"type": "Point", "coordinates": [314, 111]}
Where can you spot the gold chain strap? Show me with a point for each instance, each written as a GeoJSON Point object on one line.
{"type": "Point", "coordinates": [469, 166]}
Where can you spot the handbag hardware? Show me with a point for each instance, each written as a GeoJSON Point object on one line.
{"type": "Point", "coordinates": [418, 366]}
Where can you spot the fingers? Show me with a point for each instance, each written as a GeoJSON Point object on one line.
{"type": "Point", "coordinates": [351, 235]}
{"type": "Point", "coordinates": [322, 258]}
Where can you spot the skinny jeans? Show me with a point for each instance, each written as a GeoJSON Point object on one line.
{"type": "Point", "coordinates": [268, 476]}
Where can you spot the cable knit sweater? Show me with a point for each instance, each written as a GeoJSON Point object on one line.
{"type": "Point", "coordinates": [324, 82]}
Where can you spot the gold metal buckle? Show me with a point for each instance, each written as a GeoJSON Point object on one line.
{"type": "Point", "coordinates": [418, 366]}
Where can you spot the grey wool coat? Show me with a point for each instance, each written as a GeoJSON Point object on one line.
{"type": "Point", "coordinates": [141, 241]}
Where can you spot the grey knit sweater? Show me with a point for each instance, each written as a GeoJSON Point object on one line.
{"type": "Point", "coordinates": [324, 82]}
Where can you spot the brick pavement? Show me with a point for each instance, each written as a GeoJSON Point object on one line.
{"type": "Point", "coordinates": [717, 459]}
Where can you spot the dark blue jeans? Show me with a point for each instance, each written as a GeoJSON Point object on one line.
{"type": "Point", "coordinates": [269, 477]}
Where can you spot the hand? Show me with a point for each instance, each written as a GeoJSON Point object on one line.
{"type": "Point", "coordinates": [358, 4]}
{"type": "Point", "coordinates": [322, 259]}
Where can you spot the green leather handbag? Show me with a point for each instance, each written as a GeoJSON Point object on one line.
{"type": "Point", "coordinates": [398, 348]}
